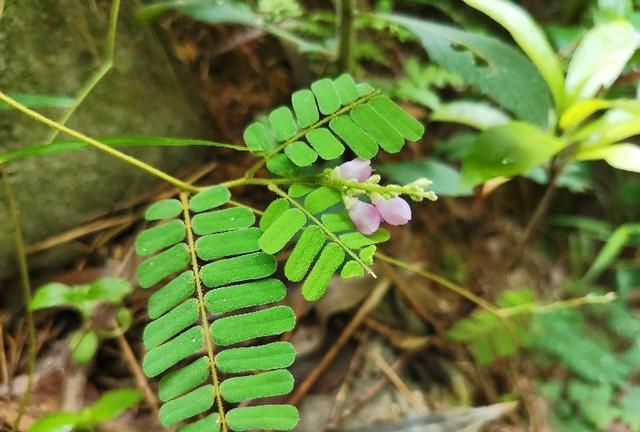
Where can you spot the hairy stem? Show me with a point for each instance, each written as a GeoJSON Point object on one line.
{"type": "Point", "coordinates": [184, 198]}
{"type": "Point", "coordinates": [98, 75]}
{"type": "Point", "coordinates": [94, 143]}
{"type": "Point", "coordinates": [26, 293]}
{"type": "Point", "coordinates": [440, 281]}
{"type": "Point", "coordinates": [346, 34]}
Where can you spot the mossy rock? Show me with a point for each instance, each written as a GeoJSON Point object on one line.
{"type": "Point", "coordinates": [53, 47]}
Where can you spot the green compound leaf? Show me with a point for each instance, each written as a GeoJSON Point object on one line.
{"type": "Point", "coordinates": [319, 251]}
{"type": "Point", "coordinates": [209, 262]}
{"type": "Point", "coordinates": [332, 116]}
{"type": "Point", "coordinates": [487, 335]}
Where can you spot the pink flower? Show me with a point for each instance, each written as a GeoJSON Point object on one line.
{"type": "Point", "coordinates": [394, 211]}
{"type": "Point", "coordinates": [357, 169]}
{"type": "Point", "coordinates": [365, 216]}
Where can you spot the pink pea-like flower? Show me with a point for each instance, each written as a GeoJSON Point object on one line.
{"type": "Point", "coordinates": [365, 216]}
{"type": "Point", "coordinates": [357, 169]}
{"type": "Point", "coordinates": [394, 211]}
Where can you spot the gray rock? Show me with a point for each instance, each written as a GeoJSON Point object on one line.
{"type": "Point", "coordinates": [53, 47]}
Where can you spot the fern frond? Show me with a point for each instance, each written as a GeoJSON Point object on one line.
{"type": "Point", "coordinates": [487, 335]}
{"type": "Point", "coordinates": [320, 251]}
{"type": "Point", "coordinates": [210, 262]}
{"type": "Point", "coordinates": [326, 118]}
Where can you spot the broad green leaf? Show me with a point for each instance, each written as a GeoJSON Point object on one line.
{"type": "Point", "coordinates": [304, 105]}
{"type": "Point", "coordinates": [160, 237]}
{"type": "Point", "coordinates": [227, 12]}
{"type": "Point", "coordinates": [172, 294]}
{"type": "Point", "coordinates": [581, 110]}
{"type": "Point", "coordinates": [331, 258]}
{"type": "Point", "coordinates": [358, 140]}
{"type": "Point", "coordinates": [265, 417]}
{"type": "Point", "coordinates": [245, 267]}
{"type": "Point", "coordinates": [410, 128]}
{"type": "Point", "coordinates": [184, 379]}
{"type": "Point", "coordinates": [165, 209]}
{"type": "Point", "coordinates": [234, 297]}
{"type": "Point", "coordinates": [623, 156]}
{"type": "Point", "coordinates": [478, 115]}
{"type": "Point", "coordinates": [84, 345]}
{"type": "Point", "coordinates": [187, 406]}
{"type": "Point", "coordinates": [325, 143]}
{"type": "Point", "coordinates": [113, 403]}
{"type": "Point", "coordinates": [210, 198]}
{"type": "Point", "coordinates": [375, 125]}
{"type": "Point", "coordinates": [53, 294]}
{"type": "Point", "coordinates": [266, 384]}
{"type": "Point", "coordinates": [615, 125]}
{"type": "Point", "coordinates": [37, 101]}
{"type": "Point", "coordinates": [600, 57]}
{"type": "Point", "coordinates": [300, 154]}
{"type": "Point", "coordinates": [326, 96]}
{"type": "Point", "coordinates": [161, 358]}
{"type": "Point", "coordinates": [508, 150]}
{"type": "Point", "coordinates": [222, 220]}
{"type": "Point", "coordinates": [62, 421]}
{"type": "Point", "coordinates": [266, 322]}
{"type": "Point", "coordinates": [228, 243]}
{"type": "Point", "coordinates": [304, 253]}
{"type": "Point", "coordinates": [282, 230]}
{"type": "Point", "coordinates": [495, 68]}
{"type": "Point", "coordinates": [172, 323]}
{"type": "Point", "coordinates": [283, 124]}
{"type": "Point", "coordinates": [156, 268]}
{"type": "Point", "coordinates": [446, 180]}
{"type": "Point", "coordinates": [274, 355]}
{"type": "Point", "coordinates": [530, 37]}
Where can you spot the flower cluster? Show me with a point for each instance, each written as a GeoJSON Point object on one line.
{"type": "Point", "coordinates": [367, 217]}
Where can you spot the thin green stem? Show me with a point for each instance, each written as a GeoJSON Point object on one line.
{"type": "Point", "coordinates": [558, 305]}
{"type": "Point", "coordinates": [275, 189]}
{"type": "Point", "coordinates": [92, 142]}
{"type": "Point", "coordinates": [26, 293]}
{"type": "Point", "coordinates": [244, 181]}
{"type": "Point", "coordinates": [98, 75]}
{"type": "Point", "coordinates": [346, 34]}
{"type": "Point", "coordinates": [440, 281]}
{"type": "Point", "coordinates": [254, 169]}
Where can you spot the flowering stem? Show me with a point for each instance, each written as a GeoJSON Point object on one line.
{"type": "Point", "coordinates": [346, 185]}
